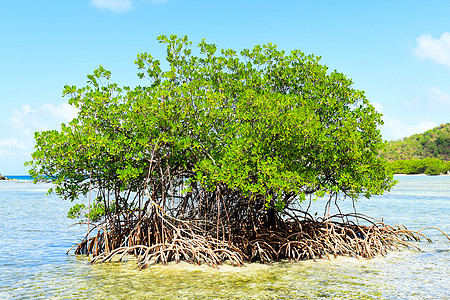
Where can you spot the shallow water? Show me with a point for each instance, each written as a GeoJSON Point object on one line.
{"type": "Point", "coordinates": [35, 237]}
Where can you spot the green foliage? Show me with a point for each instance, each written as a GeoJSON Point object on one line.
{"type": "Point", "coordinates": [94, 213]}
{"type": "Point", "coordinates": [421, 153]}
{"type": "Point", "coordinates": [263, 123]}
{"type": "Point", "coordinates": [429, 166]}
{"type": "Point", "coordinates": [434, 143]}
{"type": "Point", "coordinates": [76, 211]}
{"type": "Point", "coordinates": [447, 167]}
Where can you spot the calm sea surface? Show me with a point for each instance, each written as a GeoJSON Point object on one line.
{"type": "Point", "coordinates": [34, 238]}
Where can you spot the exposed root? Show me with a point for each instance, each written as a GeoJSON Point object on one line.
{"type": "Point", "coordinates": [157, 238]}
{"type": "Point", "coordinates": [432, 227]}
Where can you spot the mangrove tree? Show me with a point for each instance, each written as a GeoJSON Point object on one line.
{"type": "Point", "coordinates": [212, 156]}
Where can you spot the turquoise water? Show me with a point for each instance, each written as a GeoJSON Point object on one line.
{"type": "Point", "coordinates": [35, 237]}
{"type": "Point", "coordinates": [19, 177]}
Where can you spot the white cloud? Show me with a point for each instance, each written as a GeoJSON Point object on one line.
{"type": "Point", "coordinates": [121, 5]}
{"type": "Point", "coordinates": [433, 101]}
{"type": "Point", "coordinates": [17, 136]}
{"type": "Point", "coordinates": [11, 145]}
{"type": "Point", "coordinates": [434, 49]}
{"type": "Point", "coordinates": [394, 129]}
{"type": "Point", "coordinates": [65, 111]}
{"type": "Point", "coordinates": [114, 5]}
{"type": "Point", "coordinates": [27, 120]}
{"type": "Point", "coordinates": [156, 1]}
{"type": "Point", "coordinates": [438, 99]}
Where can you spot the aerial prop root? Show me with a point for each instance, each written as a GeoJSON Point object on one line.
{"type": "Point", "coordinates": [181, 240]}
{"type": "Point", "coordinates": [163, 239]}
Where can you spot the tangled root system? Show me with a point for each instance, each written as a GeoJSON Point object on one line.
{"type": "Point", "coordinates": [156, 237]}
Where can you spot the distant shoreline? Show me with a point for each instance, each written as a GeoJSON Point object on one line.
{"type": "Point", "coordinates": [2, 177]}
{"type": "Point", "coordinates": [421, 174]}
{"type": "Point", "coordinates": [16, 177]}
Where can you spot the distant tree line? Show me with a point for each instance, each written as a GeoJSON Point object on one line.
{"type": "Point", "coordinates": [427, 152]}
{"type": "Point", "coordinates": [434, 143]}
{"type": "Point", "coordinates": [429, 166]}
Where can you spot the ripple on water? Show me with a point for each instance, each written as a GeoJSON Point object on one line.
{"type": "Point", "coordinates": [35, 236]}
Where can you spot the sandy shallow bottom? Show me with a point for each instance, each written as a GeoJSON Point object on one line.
{"type": "Point", "coordinates": [35, 235]}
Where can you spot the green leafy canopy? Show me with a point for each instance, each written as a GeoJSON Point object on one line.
{"type": "Point", "coordinates": [263, 123]}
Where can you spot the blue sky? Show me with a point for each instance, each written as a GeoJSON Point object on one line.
{"type": "Point", "coordinates": [396, 51]}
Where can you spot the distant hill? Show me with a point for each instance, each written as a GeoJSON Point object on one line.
{"type": "Point", "coordinates": [434, 143]}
